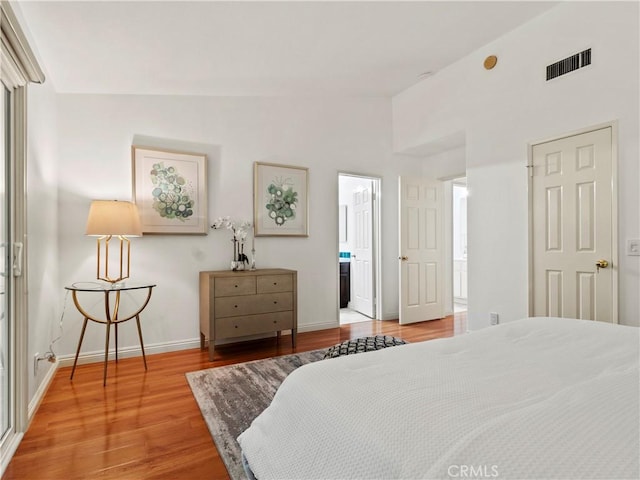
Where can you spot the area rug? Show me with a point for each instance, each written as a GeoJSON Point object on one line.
{"type": "Point", "coordinates": [231, 397]}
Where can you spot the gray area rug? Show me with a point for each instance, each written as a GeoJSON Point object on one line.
{"type": "Point", "coordinates": [231, 397]}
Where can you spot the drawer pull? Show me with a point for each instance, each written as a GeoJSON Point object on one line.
{"type": "Point", "coordinates": [236, 286]}
{"type": "Point", "coordinates": [235, 306]}
{"type": "Point", "coordinates": [275, 321]}
{"type": "Point", "coordinates": [275, 283]}
{"type": "Point", "coordinates": [275, 301]}
{"type": "Point", "coordinates": [235, 326]}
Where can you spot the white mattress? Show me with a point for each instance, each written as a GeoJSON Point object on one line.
{"type": "Point", "coordinates": [539, 398]}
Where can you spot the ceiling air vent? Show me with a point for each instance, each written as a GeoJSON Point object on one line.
{"type": "Point", "coordinates": [569, 64]}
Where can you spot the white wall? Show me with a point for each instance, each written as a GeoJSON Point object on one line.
{"type": "Point", "coordinates": [446, 164]}
{"type": "Point", "coordinates": [326, 135]}
{"type": "Point", "coordinates": [503, 110]}
{"type": "Point", "coordinates": [42, 229]}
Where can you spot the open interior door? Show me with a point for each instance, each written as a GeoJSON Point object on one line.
{"type": "Point", "coordinates": [421, 250]}
{"type": "Point", "coordinates": [362, 255]}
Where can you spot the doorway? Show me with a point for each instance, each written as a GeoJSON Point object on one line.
{"type": "Point", "coordinates": [459, 243]}
{"type": "Point", "coordinates": [358, 251]}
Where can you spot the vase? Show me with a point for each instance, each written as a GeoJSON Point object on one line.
{"type": "Point", "coordinates": [239, 258]}
{"type": "Point", "coordinates": [234, 261]}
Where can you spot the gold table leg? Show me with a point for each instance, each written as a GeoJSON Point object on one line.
{"type": "Point", "coordinates": [106, 355]}
{"type": "Point", "coordinates": [84, 327]}
{"type": "Point", "coordinates": [144, 358]}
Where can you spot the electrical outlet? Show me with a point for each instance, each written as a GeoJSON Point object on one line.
{"type": "Point", "coordinates": [493, 316]}
{"type": "Point", "coordinates": [35, 364]}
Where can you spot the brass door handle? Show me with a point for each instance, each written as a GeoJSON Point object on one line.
{"type": "Point", "coordinates": [602, 264]}
{"type": "Point", "coordinates": [403, 258]}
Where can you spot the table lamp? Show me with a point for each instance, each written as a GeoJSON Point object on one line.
{"type": "Point", "coordinates": [109, 218]}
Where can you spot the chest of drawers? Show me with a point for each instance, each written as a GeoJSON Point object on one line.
{"type": "Point", "coordinates": [237, 304]}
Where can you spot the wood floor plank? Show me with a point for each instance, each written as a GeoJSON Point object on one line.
{"type": "Point", "coordinates": [147, 425]}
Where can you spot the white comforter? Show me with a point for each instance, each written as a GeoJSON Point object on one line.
{"type": "Point", "coordinates": [540, 398]}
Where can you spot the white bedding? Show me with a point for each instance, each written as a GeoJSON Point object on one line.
{"type": "Point", "coordinates": [539, 398]}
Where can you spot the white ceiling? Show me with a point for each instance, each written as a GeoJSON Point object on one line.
{"type": "Point", "coordinates": [260, 48]}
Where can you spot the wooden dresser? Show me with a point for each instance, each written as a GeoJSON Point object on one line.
{"type": "Point", "coordinates": [237, 304]}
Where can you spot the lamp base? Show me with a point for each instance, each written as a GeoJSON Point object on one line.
{"type": "Point", "coordinates": [125, 251]}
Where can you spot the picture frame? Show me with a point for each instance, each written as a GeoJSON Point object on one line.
{"type": "Point", "coordinates": [170, 190]}
{"type": "Point", "coordinates": [281, 200]}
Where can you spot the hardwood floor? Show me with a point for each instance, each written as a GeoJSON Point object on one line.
{"type": "Point", "coordinates": [146, 425]}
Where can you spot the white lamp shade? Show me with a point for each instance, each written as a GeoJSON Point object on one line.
{"type": "Point", "coordinates": [113, 217]}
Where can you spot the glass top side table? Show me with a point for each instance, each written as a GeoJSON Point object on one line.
{"type": "Point", "coordinates": [110, 314]}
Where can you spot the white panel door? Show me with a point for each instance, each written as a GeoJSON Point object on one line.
{"type": "Point", "coordinates": [572, 207]}
{"type": "Point", "coordinates": [362, 255]}
{"type": "Point", "coordinates": [421, 250]}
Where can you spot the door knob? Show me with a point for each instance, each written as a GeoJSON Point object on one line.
{"type": "Point", "coordinates": [403, 258]}
{"type": "Point", "coordinates": [602, 264]}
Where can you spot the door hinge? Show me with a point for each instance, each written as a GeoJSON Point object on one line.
{"type": "Point", "coordinates": [530, 169]}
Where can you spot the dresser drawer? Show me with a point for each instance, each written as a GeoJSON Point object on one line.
{"type": "Point", "coordinates": [253, 324]}
{"type": "Point", "coordinates": [228, 286]}
{"type": "Point", "coordinates": [274, 283]}
{"type": "Point", "coordinates": [250, 304]}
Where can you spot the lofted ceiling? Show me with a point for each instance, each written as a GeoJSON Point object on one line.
{"type": "Point", "coordinates": [260, 48]}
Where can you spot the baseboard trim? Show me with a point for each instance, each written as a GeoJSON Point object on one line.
{"type": "Point", "coordinates": [318, 326]}
{"type": "Point", "coordinates": [135, 351]}
{"type": "Point", "coordinates": [128, 352]}
{"type": "Point", "coordinates": [41, 391]}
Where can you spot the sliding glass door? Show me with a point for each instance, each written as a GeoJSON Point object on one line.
{"type": "Point", "coordinates": [6, 407]}
{"type": "Point", "coordinates": [18, 67]}
{"type": "Point", "coordinates": [12, 339]}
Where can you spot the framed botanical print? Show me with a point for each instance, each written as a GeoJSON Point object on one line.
{"type": "Point", "coordinates": [170, 190]}
{"type": "Point", "coordinates": [281, 202]}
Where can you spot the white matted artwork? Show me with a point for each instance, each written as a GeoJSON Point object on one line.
{"type": "Point", "coordinates": [281, 206]}
{"type": "Point", "coordinates": [170, 190]}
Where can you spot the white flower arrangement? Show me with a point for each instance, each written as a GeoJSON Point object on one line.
{"type": "Point", "coordinates": [240, 230]}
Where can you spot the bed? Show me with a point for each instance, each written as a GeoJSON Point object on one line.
{"type": "Point", "coordinates": [538, 398]}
